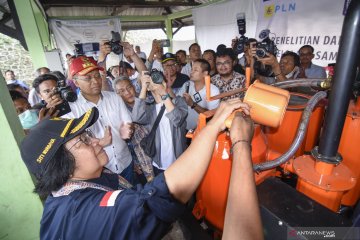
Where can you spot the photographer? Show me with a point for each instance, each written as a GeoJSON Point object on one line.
{"type": "Point", "coordinates": [45, 86]}
{"type": "Point", "coordinates": [170, 138]}
{"type": "Point", "coordinates": [173, 79]}
{"type": "Point", "coordinates": [287, 68]}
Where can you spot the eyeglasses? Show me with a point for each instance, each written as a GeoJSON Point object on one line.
{"type": "Point", "coordinates": [122, 91]}
{"type": "Point", "coordinates": [85, 138]}
{"type": "Point", "coordinates": [88, 77]}
{"type": "Point", "coordinates": [170, 65]}
{"type": "Point", "coordinates": [226, 63]}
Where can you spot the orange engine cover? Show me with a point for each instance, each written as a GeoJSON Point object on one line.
{"type": "Point", "coordinates": [350, 150]}
{"type": "Point", "coordinates": [212, 193]}
{"type": "Point", "coordinates": [280, 139]}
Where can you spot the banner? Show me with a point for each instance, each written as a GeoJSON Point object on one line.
{"type": "Point", "coordinates": [216, 23]}
{"type": "Point", "coordinates": [294, 23]}
{"type": "Point", "coordinates": [69, 32]}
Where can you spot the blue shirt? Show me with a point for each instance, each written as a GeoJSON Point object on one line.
{"type": "Point", "coordinates": [315, 71]}
{"type": "Point", "coordinates": [137, 213]}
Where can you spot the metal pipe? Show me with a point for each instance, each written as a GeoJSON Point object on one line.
{"type": "Point", "coordinates": [345, 72]}
{"type": "Point", "coordinates": [305, 117]}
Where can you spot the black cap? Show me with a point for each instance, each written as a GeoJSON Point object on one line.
{"type": "Point", "coordinates": [39, 147]}
{"type": "Point", "coordinates": [168, 56]}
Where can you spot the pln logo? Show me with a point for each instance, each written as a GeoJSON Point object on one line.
{"type": "Point", "coordinates": [272, 9]}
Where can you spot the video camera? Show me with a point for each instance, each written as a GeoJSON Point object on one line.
{"type": "Point", "coordinates": [115, 43]}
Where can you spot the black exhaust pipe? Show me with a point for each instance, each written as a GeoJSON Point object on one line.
{"type": "Point", "coordinates": [345, 73]}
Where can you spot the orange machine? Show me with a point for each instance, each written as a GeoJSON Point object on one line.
{"type": "Point", "coordinates": [280, 139]}
{"type": "Point", "coordinates": [350, 150]}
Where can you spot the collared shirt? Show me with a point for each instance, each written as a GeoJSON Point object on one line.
{"type": "Point", "coordinates": [112, 112]}
{"type": "Point", "coordinates": [237, 81]}
{"type": "Point", "coordinates": [18, 82]}
{"type": "Point", "coordinates": [315, 71]}
{"type": "Point", "coordinates": [92, 213]}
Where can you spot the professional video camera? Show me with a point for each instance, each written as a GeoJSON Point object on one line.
{"type": "Point", "coordinates": [266, 45]}
{"type": "Point", "coordinates": [115, 43]}
{"type": "Point", "coordinates": [242, 41]}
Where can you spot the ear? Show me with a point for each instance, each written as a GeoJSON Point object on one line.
{"type": "Point", "coordinates": [76, 83]}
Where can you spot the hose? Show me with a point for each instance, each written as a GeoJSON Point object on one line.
{"type": "Point", "coordinates": [305, 117]}
{"type": "Point", "coordinates": [304, 80]}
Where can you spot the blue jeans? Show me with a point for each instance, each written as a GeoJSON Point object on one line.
{"type": "Point", "coordinates": [128, 173]}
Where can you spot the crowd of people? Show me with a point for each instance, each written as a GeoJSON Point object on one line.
{"type": "Point", "coordinates": [94, 154]}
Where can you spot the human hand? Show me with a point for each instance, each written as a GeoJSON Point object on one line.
{"type": "Point", "coordinates": [128, 49]}
{"type": "Point", "coordinates": [269, 60]}
{"type": "Point", "coordinates": [233, 42]}
{"type": "Point", "coordinates": [159, 89]}
{"type": "Point", "coordinates": [107, 139]}
{"type": "Point", "coordinates": [53, 100]}
{"type": "Point", "coordinates": [188, 99]}
{"type": "Point", "coordinates": [48, 113]}
{"type": "Point", "coordinates": [145, 80]}
{"type": "Point", "coordinates": [126, 130]}
{"type": "Point", "coordinates": [224, 111]}
{"type": "Point", "coordinates": [242, 128]}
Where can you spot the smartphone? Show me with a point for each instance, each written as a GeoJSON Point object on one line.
{"type": "Point", "coordinates": [164, 43]}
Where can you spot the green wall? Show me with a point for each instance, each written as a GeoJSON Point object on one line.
{"type": "Point", "coordinates": [20, 209]}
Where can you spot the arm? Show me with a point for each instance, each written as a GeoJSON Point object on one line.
{"type": "Point", "coordinates": [202, 146]}
{"type": "Point", "coordinates": [129, 51]}
{"type": "Point", "coordinates": [178, 115]}
{"type": "Point", "coordinates": [246, 221]}
{"type": "Point", "coordinates": [193, 104]}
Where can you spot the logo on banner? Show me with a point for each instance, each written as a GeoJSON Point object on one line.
{"type": "Point", "coordinates": [271, 10]}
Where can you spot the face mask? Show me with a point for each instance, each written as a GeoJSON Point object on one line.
{"type": "Point", "coordinates": [29, 118]}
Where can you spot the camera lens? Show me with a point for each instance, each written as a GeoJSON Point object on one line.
{"type": "Point", "coordinates": [157, 77]}
{"type": "Point", "coordinates": [67, 94]}
{"type": "Point", "coordinates": [261, 53]}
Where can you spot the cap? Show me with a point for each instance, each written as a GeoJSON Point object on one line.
{"type": "Point", "coordinates": [83, 65]}
{"type": "Point", "coordinates": [168, 56]}
{"type": "Point", "coordinates": [39, 147]}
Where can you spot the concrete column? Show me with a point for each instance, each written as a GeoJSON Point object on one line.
{"type": "Point", "coordinates": [20, 208]}
{"type": "Point", "coordinates": [35, 30]}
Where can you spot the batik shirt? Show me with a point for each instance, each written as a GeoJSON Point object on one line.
{"type": "Point", "coordinates": [237, 81]}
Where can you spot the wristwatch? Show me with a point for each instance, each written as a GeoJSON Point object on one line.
{"type": "Point", "coordinates": [193, 105]}
{"type": "Point", "coordinates": [164, 97]}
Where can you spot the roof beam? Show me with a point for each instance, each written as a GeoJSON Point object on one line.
{"type": "Point", "coordinates": [134, 4]}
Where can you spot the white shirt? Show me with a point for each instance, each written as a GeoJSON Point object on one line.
{"type": "Point", "coordinates": [112, 112]}
{"type": "Point", "coordinates": [141, 55]}
{"type": "Point", "coordinates": [200, 99]}
{"type": "Point", "coordinates": [167, 154]}
{"type": "Point", "coordinates": [33, 97]}
{"type": "Point", "coordinates": [186, 69]}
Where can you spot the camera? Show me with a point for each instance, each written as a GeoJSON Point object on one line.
{"type": "Point", "coordinates": [265, 46]}
{"type": "Point", "coordinates": [242, 41]}
{"type": "Point", "coordinates": [240, 45]}
{"type": "Point", "coordinates": [115, 43]}
{"type": "Point", "coordinates": [65, 92]}
{"type": "Point", "coordinates": [84, 48]}
{"type": "Point", "coordinates": [156, 76]}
